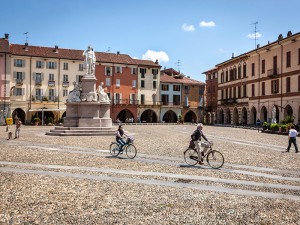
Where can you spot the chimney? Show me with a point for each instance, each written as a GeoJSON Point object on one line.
{"type": "Point", "coordinates": [118, 53]}
{"type": "Point", "coordinates": [156, 61]}
{"type": "Point", "coordinates": [280, 37]}
{"type": "Point", "coordinates": [6, 36]}
{"type": "Point", "coordinates": [257, 46]}
{"type": "Point", "coordinates": [232, 56]}
{"type": "Point", "coordinates": [289, 33]}
{"type": "Point", "coordinates": [55, 49]}
{"type": "Point", "coordinates": [26, 46]}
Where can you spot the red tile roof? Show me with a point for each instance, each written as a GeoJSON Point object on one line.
{"type": "Point", "coordinates": [72, 54]}
{"type": "Point", "coordinates": [165, 78]}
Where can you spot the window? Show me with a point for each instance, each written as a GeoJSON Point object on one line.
{"type": "Point", "coordinates": [263, 88]}
{"type": "Point", "coordinates": [142, 84]}
{"type": "Point", "coordinates": [132, 98]}
{"type": "Point", "coordinates": [19, 63]}
{"type": "Point", "coordinates": [226, 76]}
{"type": "Point", "coordinates": [38, 78]}
{"type": "Point", "coordinates": [154, 71]}
{"type": "Point", "coordinates": [176, 87]}
{"type": "Point", "coordinates": [51, 65]}
{"type": "Point", "coordinates": [19, 91]}
{"type": "Point", "coordinates": [154, 76]}
{"type": "Point", "coordinates": [222, 77]}
{"type": "Point", "coordinates": [19, 75]}
{"type": "Point", "coordinates": [133, 70]}
{"type": "Point", "coordinates": [118, 69]}
{"type": "Point", "coordinates": [65, 78]}
{"type": "Point", "coordinates": [222, 94]}
{"type": "Point", "coordinates": [274, 86]}
{"type": "Point", "coordinates": [244, 91]}
{"type": "Point", "coordinates": [134, 83]}
{"type": "Point", "coordinates": [143, 72]}
{"type": "Point", "coordinates": [239, 91]}
{"type": "Point", "coordinates": [288, 84]}
{"type": "Point", "coordinates": [164, 87]}
{"type": "Point", "coordinates": [165, 99]}
{"type": "Point", "coordinates": [118, 83]}
{"type": "Point", "coordinates": [51, 77]}
{"type": "Point", "coordinates": [252, 69]}
{"type": "Point", "coordinates": [298, 56]}
{"type": "Point", "coordinates": [80, 67]}
{"type": "Point", "coordinates": [107, 82]}
{"type": "Point", "coordinates": [274, 65]}
{"type": "Point", "coordinates": [66, 66]}
{"type": "Point", "coordinates": [118, 98]}
{"type": "Point", "coordinates": [234, 92]}
{"type": "Point", "coordinates": [39, 64]}
{"type": "Point", "coordinates": [298, 82]}
{"type": "Point", "coordinates": [65, 93]}
{"type": "Point", "coordinates": [230, 92]}
{"type": "Point", "coordinates": [142, 99]}
{"type": "Point", "coordinates": [51, 95]}
{"type": "Point", "coordinates": [226, 93]}
{"type": "Point", "coordinates": [263, 66]}
{"type": "Point", "coordinates": [244, 70]}
{"type": "Point", "coordinates": [253, 90]}
{"type": "Point", "coordinates": [39, 94]}
{"type": "Point", "coordinates": [108, 71]}
{"type": "Point", "coordinates": [288, 59]}
{"type": "Point", "coordinates": [186, 89]}
{"type": "Point", "coordinates": [176, 99]}
{"type": "Point", "coordinates": [154, 84]}
{"type": "Point", "coordinates": [239, 72]}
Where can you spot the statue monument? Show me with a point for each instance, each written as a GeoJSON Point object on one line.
{"type": "Point", "coordinates": [88, 108]}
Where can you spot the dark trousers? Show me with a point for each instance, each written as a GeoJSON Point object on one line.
{"type": "Point", "coordinates": [292, 140]}
{"type": "Point", "coordinates": [121, 142]}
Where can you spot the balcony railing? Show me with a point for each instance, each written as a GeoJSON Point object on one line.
{"type": "Point", "coordinates": [65, 83]}
{"type": "Point", "coordinates": [51, 83]}
{"type": "Point", "coordinates": [273, 72]}
{"type": "Point", "coordinates": [19, 81]}
{"type": "Point", "coordinates": [228, 101]}
{"type": "Point", "coordinates": [38, 82]}
{"type": "Point", "coordinates": [44, 98]}
{"type": "Point", "coordinates": [125, 101]}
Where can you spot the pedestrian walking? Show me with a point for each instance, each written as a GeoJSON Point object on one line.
{"type": "Point", "coordinates": [18, 128]}
{"type": "Point", "coordinates": [292, 139]}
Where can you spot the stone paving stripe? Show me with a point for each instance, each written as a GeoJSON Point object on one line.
{"type": "Point", "coordinates": [156, 182]}
{"type": "Point", "coordinates": [169, 175]}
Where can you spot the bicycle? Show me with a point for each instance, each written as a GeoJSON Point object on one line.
{"type": "Point", "coordinates": [214, 158]}
{"type": "Point", "coordinates": [128, 147]}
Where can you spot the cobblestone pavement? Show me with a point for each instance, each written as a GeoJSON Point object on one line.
{"type": "Point", "coordinates": [74, 180]}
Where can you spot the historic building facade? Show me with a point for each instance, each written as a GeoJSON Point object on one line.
{"type": "Point", "coordinates": [253, 84]}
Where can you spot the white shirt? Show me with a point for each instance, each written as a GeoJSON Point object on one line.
{"type": "Point", "coordinates": [293, 133]}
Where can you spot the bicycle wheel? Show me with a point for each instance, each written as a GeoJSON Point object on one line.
{"type": "Point", "coordinates": [191, 156]}
{"type": "Point", "coordinates": [114, 149]}
{"type": "Point", "coordinates": [215, 159]}
{"type": "Point", "coordinates": [131, 151]}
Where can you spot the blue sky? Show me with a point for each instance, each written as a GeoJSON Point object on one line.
{"type": "Point", "coordinates": [200, 34]}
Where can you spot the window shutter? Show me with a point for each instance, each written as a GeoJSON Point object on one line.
{"type": "Point", "coordinates": [23, 75]}
{"type": "Point", "coordinates": [23, 91]}
{"type": "Point", "coordinates": [15, 75]}
{"type": "Point", "coordinates": [120, 98]}
{"type": "Point", "coordinates": [115, 99]}
{"type": "Point", "coordinates": [47, 65]}
{"type": "Point", "coordinates": [55, 65]}
{"type": "Point", "coordinates": [23, 63]}
{"type": "Point", "coordinates": [33, 76]}
{"type": "Point", "coordinates": [15, 62]}
{"type": "Point", "coordinates": [15, 91]}
{"type": "Point", "coordinates": [42, 64]}
{"type": "Point", "coordinates": [42, 76]}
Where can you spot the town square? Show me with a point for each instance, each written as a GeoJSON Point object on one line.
{"type": "Point", "coordinates": [74, 180]}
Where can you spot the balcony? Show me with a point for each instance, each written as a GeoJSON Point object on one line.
{"type": "Point", "coordinates": [38, 82]}
{"type": "Point", "coordinates": [273, 73]}
{"type": "Point", "coordinates": [229, 101]}
{"type": "Point", "coordinates": [65, 83]}
{"type": "Point", "coordinates": [51, 83]}
{"type": "Point", "coordinates": [125, 102]}
{"type": "Point", "coordinates": [19, 81]}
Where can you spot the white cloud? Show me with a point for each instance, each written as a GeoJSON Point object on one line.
{"type": "Point", "coordinates": [207, 24]}
{"type": "Point", "coordinates": [153, 55]}
{"type": "Point", "coordinates": [188, 28]}
{"type": "Point", "coordinates": [252, 36]}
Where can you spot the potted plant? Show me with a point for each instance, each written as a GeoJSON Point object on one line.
{"type": "Point", "coordinates": [36, 120]}
{"type": "Point", "coordinates": [265, 125]}
{"type": "Point", "coordinates": [180, 118]}
{"type": "Point", "coordinates": [274, 126]}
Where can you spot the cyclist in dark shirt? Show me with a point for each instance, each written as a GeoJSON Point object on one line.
{"type": "Point", "coordinates": [120, 136]}
{"type": "Point", "coordinates": [196, 137]}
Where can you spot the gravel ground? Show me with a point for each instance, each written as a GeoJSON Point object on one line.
{"type": "Point", "coordinates": [55, 199]}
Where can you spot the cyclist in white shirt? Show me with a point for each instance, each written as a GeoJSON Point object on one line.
{"type": "Point", "coordinates": [292, 139]}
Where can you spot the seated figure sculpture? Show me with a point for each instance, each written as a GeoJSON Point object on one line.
{"type": "Point", "coordinates": [74, 95]}
{"type": "Point", "coordinates": [102, 96]}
